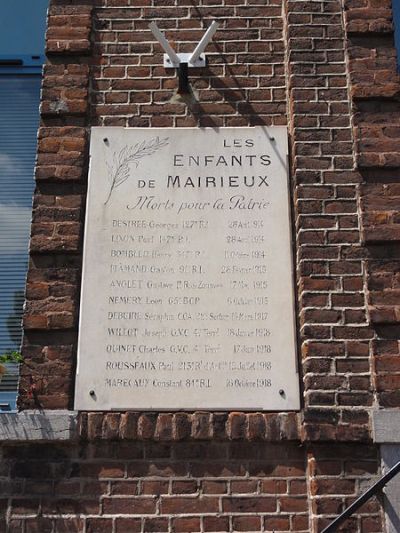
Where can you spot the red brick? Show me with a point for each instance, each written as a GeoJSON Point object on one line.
{"type": "Point", "coordinates": [146, 426]}
{"type": "Point", "coordinates": [274, 486]}
{"type": "Point", "coordinates": [216, 523]}
{"type": "Point", "coordinates": [99, 525]}
{"type": "Point", "coordinates": [237, 425]}
{"type": "Point", "coordinates": [189, 505]}
{"type": "Point", "coordinates": [103, 470]}
{"type": "Point", "coordinates": [155, 487]}
{"type": "Point", "coordinates": [110, 429]}
{"type": "Point", "coordinates": [122, 525]}
{"type": "Point", "coordinates": [156, 524]}
{"type": "Point", "coordinates": [129, 506]}
{"type": "Point", "coordinates": [256, 426]}
{"type": "Point", "coordinates": [69, 525]}
{"type": "Point", "coordinates": [335, 486]}
{"type": "Point", "coordinates": [163, 429]}
{"type": "Point", "coordinates": [247, 523]}
{"type": "Point", "coordinates": [214, 487]}
{"type": "Point", "coordinates": [128, 426]}
{"type": "Point", "coordinates": [248, 505]}
{"type": "Point", "coordinates": [277, 523]}
{"type": "Point", "coordinates": [292, 504]}
{"type": "Point", "coordinates": [201, 425]}
{"type": "Point", "coordinates": [186, 525]}
{"type": "Point", "coordinates": [129, 488]}
{"type": "Point", "coordinates": [241, 487]}
{"type": "Point", "coordinates": [184, 487]}
{"type": "Point", "coordinates": [70, 506]}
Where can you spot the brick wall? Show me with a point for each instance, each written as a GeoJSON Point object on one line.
{"type": "Point", "coordinates": [252, 78]}
{"type": "Point", "coordinates": [53, 282]}
{"type": "Point", "coordinates": [330, 268]}
{"type": "Point", "coordinates": [146, 486]}
{"type": "Point", "coordinates": [328, 72]}
{"type": "Point", "coordinates": [243, 84]}
{"type": "Point", "coordinates": [375, 94]}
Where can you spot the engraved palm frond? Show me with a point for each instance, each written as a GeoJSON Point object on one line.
{"type": "Point", "coordinates": [119, 169]}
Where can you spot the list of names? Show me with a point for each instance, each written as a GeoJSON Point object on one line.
{"type": "Point", "coordinates": [187, 292]}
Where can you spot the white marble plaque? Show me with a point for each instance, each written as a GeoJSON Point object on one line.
{"type": "Point", "coordinates": [187, 292]}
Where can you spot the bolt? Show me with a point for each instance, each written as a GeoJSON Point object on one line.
{"type": "Point", "coordinates": [105, 140]}
{"type": "Point", "coordinates": [281, 392]}
{"type": "Point", "coordinates": [92, 393]}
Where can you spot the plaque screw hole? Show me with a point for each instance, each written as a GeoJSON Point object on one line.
{"type": "Point", "coordinates": [272, 139]}
{"type": "Point", "coordinates": [282, 392]}
{"type": "Point", "coordinates": [105, 140]}
{"type": "Point", "coordinates": [92, 393]}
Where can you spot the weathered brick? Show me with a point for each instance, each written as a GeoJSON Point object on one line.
{"type": "Point", "coordinates": [132, 506]}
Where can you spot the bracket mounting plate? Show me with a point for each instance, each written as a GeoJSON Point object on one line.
{"type": "Point", "coordinates": [184, 58]}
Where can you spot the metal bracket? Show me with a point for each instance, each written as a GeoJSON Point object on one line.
{"type": "Point", "coordinates": [182, 62]}
{"type": "Point", "coordinates": [185, 58]}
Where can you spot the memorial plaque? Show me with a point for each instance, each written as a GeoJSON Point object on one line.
{"type": "Point", "coordinates": [187, 291]}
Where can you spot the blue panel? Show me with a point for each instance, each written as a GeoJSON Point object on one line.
{"type": "Point", "coordinates": [22, 26]}
{"type": "Point", "coordinates": [396, 20]}
{"type": "Point", "coordinates": [22, 32]}
{"type": "Point", "coordinates": [19, 102]}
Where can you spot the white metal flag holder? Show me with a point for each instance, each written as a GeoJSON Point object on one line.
{"type": "Point", "coordinates": [182, 62]}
